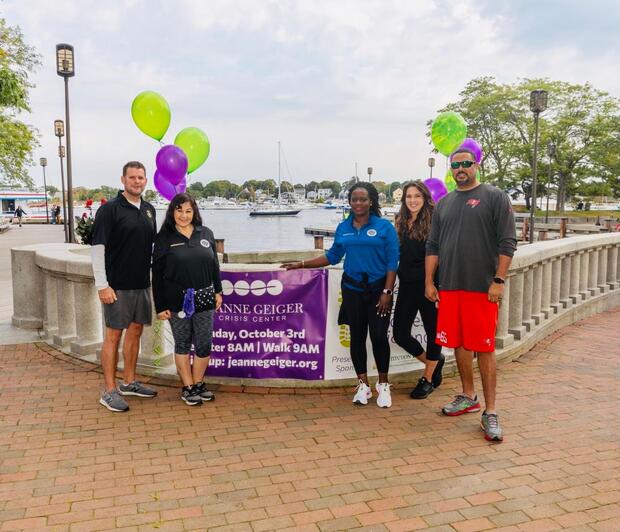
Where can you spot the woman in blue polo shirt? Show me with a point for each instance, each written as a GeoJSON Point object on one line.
{"type": "Point", "coordinates": [370, 247]}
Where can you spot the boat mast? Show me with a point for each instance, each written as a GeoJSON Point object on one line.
{"type": "Point", "coordinates": [279, 191]}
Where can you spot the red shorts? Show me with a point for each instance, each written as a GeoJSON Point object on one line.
{"type": "Point", "coordinates": [466, 319]}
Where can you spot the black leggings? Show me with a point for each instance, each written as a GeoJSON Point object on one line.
{"type": "Point", "coordinates": [411, 300]}
{"type": "Point", "coordinates": [361, 312]}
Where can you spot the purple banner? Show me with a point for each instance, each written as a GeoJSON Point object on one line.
{"type": "Point", "coordinates": [271, 325]}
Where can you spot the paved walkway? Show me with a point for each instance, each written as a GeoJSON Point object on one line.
{"type": "Point", "coordinates": [312, 461]}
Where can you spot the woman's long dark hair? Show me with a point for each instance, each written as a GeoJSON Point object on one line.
{"type": "Point", "coordinates": [175, 203]}
{"type": "Point", "coordinates": [421, 227]}
{"type": "Point", "coordinates": [373, 195]}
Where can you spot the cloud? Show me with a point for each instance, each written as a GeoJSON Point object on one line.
{"type": "Point", "coordinates": [337, 82]}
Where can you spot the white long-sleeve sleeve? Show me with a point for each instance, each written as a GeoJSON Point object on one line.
{"type": "Point", "coordinates": [97, 254]}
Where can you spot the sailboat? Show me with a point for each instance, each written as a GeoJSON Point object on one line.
{"type": "Point", "coordinates": [277, 209]}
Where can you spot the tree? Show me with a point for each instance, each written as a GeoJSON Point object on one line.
{"type": "Point", "coordinates": [17, 140]}
{"type": "Point", "coordinates": [582, 121]}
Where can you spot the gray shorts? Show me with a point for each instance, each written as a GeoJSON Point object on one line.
{"type": "Point", "coordinates": [131, 306]}
{"type": "Point", "coordinates": [197, 330]}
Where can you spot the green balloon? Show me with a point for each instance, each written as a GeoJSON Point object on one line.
{"type": "Point", "coordinates": [449, 181]}
{"type": "Point", "coordinates": [195, 143]}
{"type": "Point", "coordinates": [151, 113]}
{"type": "Point", "coordinates": [448, 132]}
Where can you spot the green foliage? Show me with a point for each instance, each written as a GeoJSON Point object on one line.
{"type": "Point", "coordinates": [84, 229]}
{"type": "Point", "coordinates": [583, 123]}
{"type": "Point", "coordinates": [17, 140]}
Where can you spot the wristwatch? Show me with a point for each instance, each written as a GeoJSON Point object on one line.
{"type": "Point", "coordinates": [388, 291]}
{"type": "Point", "coordinates": [498, 280]}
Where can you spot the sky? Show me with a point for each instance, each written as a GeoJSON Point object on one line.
{"type": "Point", "coordinates": [338, 82]}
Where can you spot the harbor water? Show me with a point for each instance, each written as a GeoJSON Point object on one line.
{"type": "Point", "coordinates": [243, 232]}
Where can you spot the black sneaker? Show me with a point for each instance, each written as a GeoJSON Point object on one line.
{"type": "Point", "coordinates": [437, 378]}
{"type": "Point", "coordinates": [422, 390]}
{"type": "Point", "coordinates": [201, 390]}
{"type": "Point", "coordinates": [190, 396]}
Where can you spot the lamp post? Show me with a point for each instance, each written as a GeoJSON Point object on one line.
{"type": "Point", "coordinates": [538, 103]}
{"type": "Point", "coordinates": [550, 153]}
{"type": "Point", "coordinates": [59, 131]}
{"type": "Point", "coordinates": [43, 162]}
{"type": "Point", "coordinates": [369, 174]}
{"type": "Point", "coordinates": [431, 163]}
{"type": "Point", "coordinates": [65, 67]}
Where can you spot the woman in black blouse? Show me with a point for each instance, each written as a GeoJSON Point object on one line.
{"type": "Point", "coordinates": [187, 291]}
{"type": "Point", "coordinates": [413, 224]}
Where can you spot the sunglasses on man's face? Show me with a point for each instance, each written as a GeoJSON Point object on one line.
{"type": "Point", "coordinates": [465, 164]}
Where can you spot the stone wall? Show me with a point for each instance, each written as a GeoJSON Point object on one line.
{"type": "Point", "coordinates": [550, 284]}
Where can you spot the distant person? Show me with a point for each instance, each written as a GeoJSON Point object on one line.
{"type": "Point", "coordinates": [369, 245]}
{"type": "Point", "coordinates": [123, 235]}
{"type": "Point", "coordinates": [413, 224]}
{"type": "Point", "coordinates": [57, 214]}
{"type": "Point", "coordinates": [19, 213]}
{"type": "Point", "coordinates": [187, 290]}
{"type": "Point", "coordinates": [472, 240]}
{"type": "Point", "coordinates": [580, 206]}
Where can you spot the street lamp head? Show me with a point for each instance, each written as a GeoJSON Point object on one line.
{"type": "Point", "coordinates": [538, 101]}
{"type": "Point", "coordinates": [65, 64]}
{"type": "Point", "coordinates": [43, 161]}
{"type": "Point", "coordinates": [61, 151]}
{"type": "Point", "coordinates": [59, 128]}
{"type": "Point", "coordinates": [550, 149]}
{"type": "Point", "coordinates": [431, 161]}
{"type": "Point", "coordinates": [370, 170]}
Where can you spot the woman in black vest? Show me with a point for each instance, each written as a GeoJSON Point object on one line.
{"type": "Point", "coordinates": [413, 224]}
{"type": "Point", "coordinates": [187, 291]}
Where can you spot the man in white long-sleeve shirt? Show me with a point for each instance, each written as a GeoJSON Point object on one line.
{"type": "Point", "coordinates": [122, 246]}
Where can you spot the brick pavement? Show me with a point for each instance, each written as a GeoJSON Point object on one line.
{"type": "Point", "coordinates": [312, 461]}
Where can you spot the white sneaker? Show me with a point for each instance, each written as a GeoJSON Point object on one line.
{"type": "Point", "coordinates": [362, 394]}
{"type": "Point", "coordinates": [384, 399]}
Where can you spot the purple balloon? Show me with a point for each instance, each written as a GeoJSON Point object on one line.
{"type": "Point", "coordinates": [163, 186]}
{"type": "Point", "coordinates": [181, 187]}
{"type": "Point", "coordinates": [171, 162]}
{"type": "Point", "coordinates": [472, 145]}
{"type": "Point", "coordinates": [436, 187]}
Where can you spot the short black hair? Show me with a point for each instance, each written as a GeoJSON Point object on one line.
{"type": "Point", "coordinates": [373, 194]}
{"type": "Point", "coordinates": [464, 150]}
{"type": "Point", "coordinates": [133, 164]}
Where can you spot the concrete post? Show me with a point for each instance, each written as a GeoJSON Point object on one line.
{"type": "Point", "coordinates": [612, 267]}
{"type": "Point", "coordinates": [528, 292]}
{"type": "Point", "coordinates": [66, 312]}
{"type": "Point", "coordinates": [565, 299]}
{"type": "Point", "coordinates": [601, 280]}
{"type": "Point", "coordinates": [156, 347]}
{"type": "Point", "coordinates": [219, 245]}
{"type": "Point", "coordinates": [27, 296]}
{"type": "Point", "coordinates": [50, 306]}
{"type": "Point", "coordinates": [555, 267]}
{"type": "Point", "coordinates": [515, 312]}
{"type": "Point", "coordinates": [584, 258]}
{"type": "Point", "coordinates": [502, 337]}
{"type": "Point", "coordinates": [318, 242]}
{"type": "Point", "coordinates": [87, 318]}
{"type": "Point", "coordinates": [575, 263]}
{"type": "Point", "coordinates": [593, 288]}
{"type": "Point", "coordinates": [537, 294]}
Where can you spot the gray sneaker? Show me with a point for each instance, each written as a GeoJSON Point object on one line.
{"type": "Point", "coordinates": [190, 396]}
{"type": "Point", "coordinates": [113, 401]}
{"type": "Point", "coordinates": [491, 427]}
{"type": "Point", "coordinates": [205, 395]}
{"type": "Point", "coordinates": [136, 388]}
{"type": "Point", "coordinates": [461, 405]}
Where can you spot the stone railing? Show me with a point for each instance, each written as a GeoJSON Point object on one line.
{"type": "Point", "coordinates": [550, 284]}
